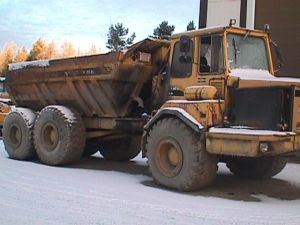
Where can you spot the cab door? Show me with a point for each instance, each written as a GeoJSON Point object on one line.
{"type": "Point", "coordinates": [183, 69]}
{"type": "Point", "coordinates": [211, 69]}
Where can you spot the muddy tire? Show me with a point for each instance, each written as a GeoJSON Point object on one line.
{"type": "Point", "coordinates": [18, 134]}
{"type": "Point", "coordinates": [121, 149]}
{"type": "Point", "coordinates": [91, 147]}
{"type": "Point", "coordinates": [256, 168]}
{"type": "Point", "coordinates": [177, 157]}
{"type": "Point", "coordinates": [59, 135]}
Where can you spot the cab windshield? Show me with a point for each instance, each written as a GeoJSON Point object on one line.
{"type": "Point", "coordinates": [247, 52]}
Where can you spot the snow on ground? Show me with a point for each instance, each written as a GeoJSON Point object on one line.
{"type": "Point", "coordinates": [98, 192]}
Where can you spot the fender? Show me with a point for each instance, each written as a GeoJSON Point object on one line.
{"type": "Point", "coordinates": [179, 113]}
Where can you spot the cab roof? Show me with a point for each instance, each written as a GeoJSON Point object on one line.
{"type": "Point", "coordinates": [212, 30]}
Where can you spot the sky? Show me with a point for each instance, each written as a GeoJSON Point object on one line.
{"type": "Point", "coordinates": [86, 22]}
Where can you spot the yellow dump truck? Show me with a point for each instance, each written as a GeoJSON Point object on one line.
{"type": "Point", "coordinates": [206, 96]}
{"type": "Point", "coordinates": [5, 103]}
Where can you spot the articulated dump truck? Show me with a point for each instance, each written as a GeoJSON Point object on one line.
{"type": "Point", "coordinates": [203, 97]}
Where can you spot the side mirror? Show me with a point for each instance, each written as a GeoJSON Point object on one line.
{"type": "Point", "coordinates": [277, 57]}
{"type": "Point", "coordinates": [185, 44]}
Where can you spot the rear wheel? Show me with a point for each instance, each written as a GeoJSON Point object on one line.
{"type": "Point", "coordinates": [18, 134]}
{"type": "Point", "coordinates": [256, 168]}
{"type": "Point", "coordinates": [59, 135]}
{"type": "Point", "coordinates": [121, 149]}
{"type": "Point", "coordinates": [177, 157]}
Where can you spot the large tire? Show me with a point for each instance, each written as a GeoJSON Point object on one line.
{"type": "Point", "coordinates": [18, 134]}
{"type": "Point", "coordinates": [256, 168]}
{"type": "Point", "coordinates": [121, 149]}
{"type": "Point", "coordinates": [59, 135]}
{"type": "Point", "coordinates": [177, 157]}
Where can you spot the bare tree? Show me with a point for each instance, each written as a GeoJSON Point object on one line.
{"type": "Point", "coordinates": [38, 50]}
{"type": "Point", "coordinates": [7, 56]}
{"type": "Point", "coordinates": [22, 55]}
{"type": "Point", "coordinates": [68, 49]}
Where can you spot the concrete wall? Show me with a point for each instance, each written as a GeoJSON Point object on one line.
{"type": "Point", "coordinates": [219, 12]}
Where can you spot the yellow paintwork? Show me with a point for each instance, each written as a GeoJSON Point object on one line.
{"type": "Point", "coordinates": [207, 113]}
{"type": "Point", "coordinates": [200, 93]}
{"type": "Point", "coordinates": [4, 108]}
{"type": "Point", "coordinates": [210, 114]}
{"type": "Point", "coordinates": [248, 145]}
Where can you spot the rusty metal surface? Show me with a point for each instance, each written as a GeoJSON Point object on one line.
{"type": "Point", "coordinates": [120, 124]}
{"type": "Point", "coordinates": [100, 85]}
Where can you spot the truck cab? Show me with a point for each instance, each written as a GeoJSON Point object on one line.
{"type": "Point", "coordinates": [223, 88]}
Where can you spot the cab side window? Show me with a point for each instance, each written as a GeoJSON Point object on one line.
{"type": "Point", "coordinates": [211, 55]}
{"type": "Point", "coordinates": [182, 62]}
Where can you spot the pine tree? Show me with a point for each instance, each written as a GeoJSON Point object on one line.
{"type": "Point", "coordinates": [191, 26]}
{"type": "Point", "coordinates": [22, 55]}
{"type": "Point", "coordinates": [164, 30]}
{"type": "Point", "coordinates": [38, 50]}
{"type": "Point", "coordinates": [117, 39]}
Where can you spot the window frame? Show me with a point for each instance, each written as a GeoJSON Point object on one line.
{"type": "Point", "coordinates": [173, 57]}
{"type": "Point", "coordinates": [224, 56]}
{"type": "Point", "coordinates": [251, 35]}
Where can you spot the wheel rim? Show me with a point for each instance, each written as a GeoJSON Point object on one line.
{"type": "Point", "coordinates": [15, 135]}
{"type": "Point", "coordinates": [169, 157]}
{"type": "Point", "coordinates": [49, 136]}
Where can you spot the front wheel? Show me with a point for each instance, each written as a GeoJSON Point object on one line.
{"type": "Point", "coordinates": [177, 156]}
{"type": "Point", "coordinates": [256, 168]}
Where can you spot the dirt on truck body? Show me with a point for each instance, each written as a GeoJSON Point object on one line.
{"type": "Point", "coordinates": [206, 96]}
{"type": "Point", "coordinates": [108, 93]}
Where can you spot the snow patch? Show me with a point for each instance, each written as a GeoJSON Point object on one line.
{"type": "Point", "coordinates": [22, 65]}
{"type": "Point", "coordinates": [261, 75]}
{"type": "Point", "coordinates": [5, 100]}
{"type": "Point", "coordinates": [252, 74]}
{"type": "Point", "coordinates": [186, 115]}
{"type": "Point", "coordinates": [202, 101]}
{"type": "Point", "coordinates": [201, 86]}
{"type": "Point", "coordinates": [250, 132]}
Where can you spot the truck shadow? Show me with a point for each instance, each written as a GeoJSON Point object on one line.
{"type": "Point", "coordinates": [226, 185]}
{"type": "Point", "coordinates": [230, 187]}
{"type": "Point", "coordinates": [97, 163]}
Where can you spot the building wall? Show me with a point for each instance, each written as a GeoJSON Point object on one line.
{"type": "Point", "coordinates": [284, 19]}
{"type": "Point", "coordinates": [219, 12]}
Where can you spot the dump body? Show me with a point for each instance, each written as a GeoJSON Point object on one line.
{"type": "Point", "coordinates": [96, 86]}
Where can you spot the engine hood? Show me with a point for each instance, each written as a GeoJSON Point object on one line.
{"type": "Point", "coordinates": [249, 78]}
